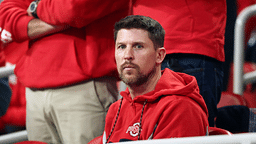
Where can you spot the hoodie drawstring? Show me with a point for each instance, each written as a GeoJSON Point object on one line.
{"type": "Point", "coordinates": [118, 116]}
{"type": "Point", "coordinates": [115, 120]}
{"type": "Point", "coordinates": [141, 118]}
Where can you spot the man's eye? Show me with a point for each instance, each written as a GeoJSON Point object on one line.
{"type": "Point", "coordinates": [138, 46]}
{"type": "Point", "coordinates": [121, 46]}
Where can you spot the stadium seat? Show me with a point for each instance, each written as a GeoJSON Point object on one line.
{"type": "Point", "coordinates": [229, 99]}
{"type": "Point", "coordinates": [218, 131]}
{"type": "Point", "coordinates": [233, 113]}
{"type": "Point", "coordinates": [249, 89]}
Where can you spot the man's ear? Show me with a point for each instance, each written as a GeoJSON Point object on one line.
{"type": "Point", "coordinates": [161, 52]}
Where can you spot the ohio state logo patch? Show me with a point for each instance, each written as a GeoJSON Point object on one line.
{"type": "Point", "coordinates": [133, 130]}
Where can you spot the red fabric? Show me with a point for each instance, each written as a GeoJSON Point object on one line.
{"type": "Point", "coordinates": [82, 52]}
{"type": "Point", "coordinates": [229, 99]}
{"type": "Point", "coordinates": [192, 26]}
{"type": "Point", "coordinates": [97, 140]}
{"type": "Point", "coordinates": [175, 105]}
{"type": "Point", "coordinates": [2, 58]}
{"type": "Point", "coordinates": [14, 51]}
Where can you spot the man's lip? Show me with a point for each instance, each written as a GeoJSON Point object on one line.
{"type": "Point", "coordinates": [128, 66]}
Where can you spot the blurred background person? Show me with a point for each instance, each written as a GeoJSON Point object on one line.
{"type": "Point", "coordinates": [68, 70]}
{"type": "Point", "coordinates": [194, 41]}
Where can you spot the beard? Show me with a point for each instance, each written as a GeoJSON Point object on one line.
{"type": "Point", "coordinates": [138, 78]}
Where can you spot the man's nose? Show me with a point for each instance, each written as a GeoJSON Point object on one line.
{"type": "Point", "coordinates": [129, 53]}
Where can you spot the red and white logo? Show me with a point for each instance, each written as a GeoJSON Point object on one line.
{"type": "Point", "coordinates": [5, 36]}
{"type": "Point", "coordinates": [133, 130]}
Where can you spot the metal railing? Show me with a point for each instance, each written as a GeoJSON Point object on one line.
{"type": "Point", "coordinates": [240, 78]}
{"type": "Point", "coordinates": [6, 71]}
{"type": "Point", "coordinates": [248, 138]}
{"type": "Point", "coordinates": [14, 137]}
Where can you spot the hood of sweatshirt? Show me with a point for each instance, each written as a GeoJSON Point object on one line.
{"type": "Point", "coordinates": [172, 109]}
{"type": "Point", "coordinates": [171, 84]}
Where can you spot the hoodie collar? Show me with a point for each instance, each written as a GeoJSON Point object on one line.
{"type": "Point", "coordinates": [170, 83]}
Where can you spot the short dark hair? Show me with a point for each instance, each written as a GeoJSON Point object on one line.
{"type": "Point", "coordinates": [154, 28]}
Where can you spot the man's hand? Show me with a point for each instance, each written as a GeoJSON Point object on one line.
{"type": "Point", "coordinates": [29, 12]}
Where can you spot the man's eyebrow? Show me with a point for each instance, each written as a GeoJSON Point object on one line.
{"type": "Point", "coordinates": [134, 43]}
{"type": "Point", "coordinates": [139, 42]}
{"type": "Point", "coordinates": [119, 43]}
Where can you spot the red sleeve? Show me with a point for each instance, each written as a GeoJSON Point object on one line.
{"type": "Point", "coordinates": [77, 13]}
{"type": "Point", "coordinates": [182, 118]}
{"type": "Point", "coordinates": [14, 20]}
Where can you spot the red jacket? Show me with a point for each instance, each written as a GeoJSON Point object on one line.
{"type": "Point", "coordinates": [174, 109]}
{"type": "Point", "coordinates": [192, 26]}
{"type": "Point", "coordinates": [80, 53]}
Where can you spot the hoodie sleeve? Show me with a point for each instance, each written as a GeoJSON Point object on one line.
{"type": "Point", "coordinates": [14, 20]}
{"type": "Point", "coordinates": [77, 13]}
{"type": "Point", "coordinates": [181, 118]}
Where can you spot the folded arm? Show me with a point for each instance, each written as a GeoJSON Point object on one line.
{"type": "Point", "coordinates": [17, 25]}
{"type": "Point", "coordinates": [38, 28]}
{"type": "Point", "coordinates": [77, 13]}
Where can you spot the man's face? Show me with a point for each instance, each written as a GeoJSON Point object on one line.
{"type": "Point", "coordinates": [135, 56]}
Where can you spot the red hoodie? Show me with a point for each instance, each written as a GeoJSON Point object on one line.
{"type": "Point", "coordinates": [174, 109]}
{"type": "Point", "coordinates": [192, 26]}
{"type": "Point", "coordinates": [82, 52]}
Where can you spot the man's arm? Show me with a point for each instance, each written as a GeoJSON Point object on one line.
{"type": "Point", "coordinates": [77, 13]}
{"type": "Point", "coordinates": [13, 21]}
{"type": "Point", "coordinates": [17, 25]}
{"type": "Point", "coordinates": [38, 28]}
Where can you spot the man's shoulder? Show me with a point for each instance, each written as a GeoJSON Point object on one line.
{"type": "Point", "coordinates": [175, 99]}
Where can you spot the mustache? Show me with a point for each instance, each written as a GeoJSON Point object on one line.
{"type": "Point", "coordinates": [129, 64]}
